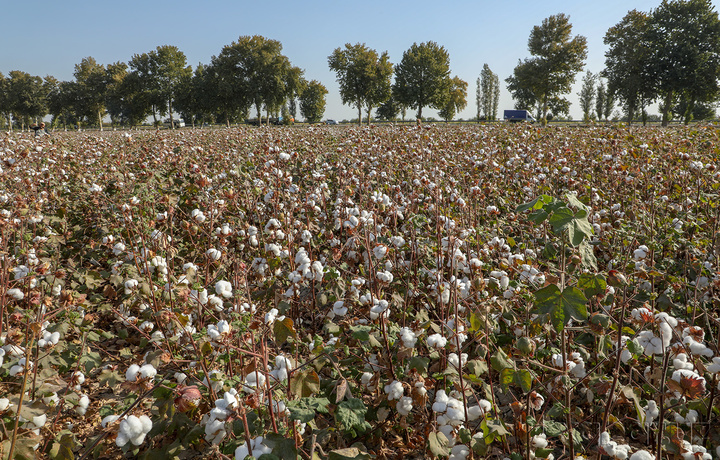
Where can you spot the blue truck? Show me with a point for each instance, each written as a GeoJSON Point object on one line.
{"type": "Point", "coordinates": [518, 115]}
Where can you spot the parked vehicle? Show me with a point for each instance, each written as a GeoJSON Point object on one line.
{"type": "Point", "coordinates": [330, 122]}
{"type": "Point", "coordinates": [514, 116]}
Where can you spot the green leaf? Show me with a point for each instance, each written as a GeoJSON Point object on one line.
{"type": "Point", "coordinates": [284, 329]}
{"type": "Point", "coordinates": [499, 360]}
{"type": "Point", "coordinates": [592, 285]}
{"type": "Point", "coordinates": [438, 443]}
{"type": "Point", "coordinates": [574, 223]}
{"type": "Point", "coordinates": [361, 333]}
{"type": "Point", "coordinates": [281, 446]}
{"type": "Point", "coordinates": [573, 201]}
{"type": "Point", "coordinates": [305, 383]}
{"type": "Point", "coordinates": [561, 306]}
{"type": "Point", "coordinates": [476, 367]}
{"type": "Point", "coordinates": [553, 428]}
{"type": "Point", "coordinates": [62, 449]}
{"type": "Point", "coordinates": [350, 416]}
{"type": "Point", "coordinates": [419, 363]}
{"type": "Point", "coordinates": [90, 361]}
{"type": "Point", "coordinates": [537, 203]}
{"type": "Point", "coordinates": [110, 377]}
{"type": "Point", "coordinates": [538, 216]}
{"type": "Point", "coordinates": [634, 347]}
{"type": "Point", "coordinates": [304, 409]}
{"type": "Point", "coordinates": [519, 377]}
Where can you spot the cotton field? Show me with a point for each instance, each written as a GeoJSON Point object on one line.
{"type": "Point", "coordinates": [326, 292]}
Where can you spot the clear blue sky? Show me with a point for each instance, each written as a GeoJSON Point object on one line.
{"type": "Point", "coordinates": [45, 37]}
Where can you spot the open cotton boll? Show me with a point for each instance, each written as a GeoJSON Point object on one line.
{"type": "Point", "coordinates": [133, 429]}
{"type": "Point", "coordinates": [83, 403]}
{"type": "Point", "coordinates": [436, 341]}
{"type": "Point", "coordinates": [404, 405]}
{"type": "Point", "coordinates": [642, 455]}
{"type": "Point", "coordinates": [339, 308]}
{"type": "Point", "coordinates": [394, 390]}
{"type": "Point", "coordinates": [224, 288]}
{"type": "Point", "coordinates": [16, 293]}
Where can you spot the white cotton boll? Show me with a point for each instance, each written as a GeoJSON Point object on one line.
{"type": "Point", "coordinates": [714, 367]}
{"type": "Point", "coordinates": [108, 420]}
{"type": "Point", "coordinates": [365, 379]}
{"type": "Point", "coordinates": [408, 337]}
{"type": "Point", "coordinates": [651, 413]}
{"type": "Point", "coordinates": [147, 371]}
{"type": "Point", "coordinates": [441, 400]}
{"type": "Point", "coordinates": [215, 431]}
{"type": "Point", "coordinates": [254, 380]}
{"type": "Point", "coordinates": [380, 251]}
{"type": "Point", "coordinates": [459, 452]}
{"type": "Point", "coordinates": [394, 390]}
{"type": "Point", "coordinates": [180, 377]}
{"type": "Point", "coordinates": [642, 455]}
{"type": "Point", "coordinates": [339, 308]}
{"type": "Point", "coordinates": [697, 348]}
{"type": "Point", "coordinates": [271, 316]}
{"type": "Point", "coordinates": [223, 288]}
{"type": "Point", "coordinates": [539, 441]}
{"type": "Point", "coordinates": [681, 362]}
{"type": "Point", "coordinates": [455, 411]}
{"type": "Point", "coordinates": [132, 373]}
{"type": "Point", "coordinates": [16, 293]}
{"type": "Point", "coordinates": [213, 254]}
{"type": "Point", "coordinates": [133, 429]}
{"type": "Point", "coordinates": [83, 403]}
{"type": "Point", "coordinates": [453, 359]}
{"type": "Point", "coordinates": [198, 216]}
{"type": "Point", "coordinates": [404, 405]}
{"type": "Point", "coordinates": [436, 341]}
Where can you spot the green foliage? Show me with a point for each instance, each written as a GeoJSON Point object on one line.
{"type": "Point", "coordinates": [541, 80]}
{"type": "Point", "coordinates": [350, 416]}
{"type": "Point", "coordinates": [312, 101]}
{"type": "Point", "coordinates": [561, 306]}
{"type": "Point", "coordinates": [363, 76]}
{"type": "Point", "coordinates": [422, 78]}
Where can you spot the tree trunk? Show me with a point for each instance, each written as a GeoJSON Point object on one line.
{"type": "Point", "coordinates": [369, 110]}
{"type": "Point", "coordinates": [100, 120]}
{"type": "Point", "coordinates": [359, 113]}
{"type": "Point", "coordinates": [172, 122]}
{"type": "Point", "coordinates": [419, 114]}
{"type": "Point", "coordinates": [688, 115]}
{"type": "Point", "coordinates": [666, 108]}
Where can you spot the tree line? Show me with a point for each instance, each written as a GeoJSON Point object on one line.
{"type": "Point", "coordinates": [249, 73]}
{"type": "Point", "coordinates": [669, 55]}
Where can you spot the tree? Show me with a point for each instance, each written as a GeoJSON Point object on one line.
{"type": "Point", "coordinates": [488, 94]}
{"type": "Point", "coordinates": [27, 98]}
{"type": "Point", "coordinates": [456, 99]}
{"type": "Point", "coordinates": [557, 58]}
{"type": "Point", "coordinates": [685, 62]}
{"type": "Point", "coordinates": [115, 74]}
{"type": "Point", "coordinates": [363, 76]}
{"type": "Point", "coordinates": [61, 103]}
{"type": "Point", "coordinates": [4, 100]}
{"type": "Point", "coordinates": [422, 79]}
{"type": "Point", "coordinates": [587, 95]}
{"type": "Point", "coordinates": [312, 101]}
{"type": "Point", "coordinates": [600, 97]}
{"type": "Point", "coordinates": [251, 72]}
{"type": "Point", "coordinates": [627, 63]}
{"type": "Point", "coordinates": [159, 73]}
{"type": "Point", "coordinates": [91, 89]}
{"type": "Point", "coordinates": [389, 110]}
